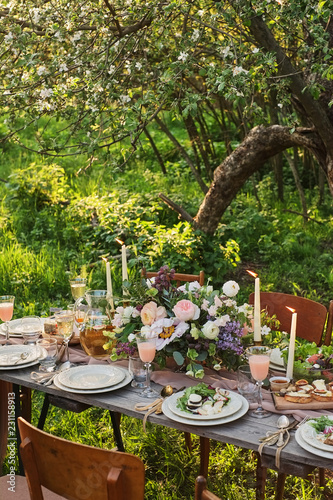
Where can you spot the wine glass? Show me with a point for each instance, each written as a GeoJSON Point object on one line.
{"type": "Point", "coordinates": [258, 357]}
{"type": "Point", "coordinates": [147, 350]}
{"type": "Point", "coordinates": [6, 312]}
{"type": "Point", "coordinates": [65, 324]}
{"type": "Point", "coordinates": [78, 287]}
{"type": "Point", "coordinates": [31, 327]}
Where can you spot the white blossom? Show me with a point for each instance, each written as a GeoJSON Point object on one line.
{"type": "Point", "coordinates": [183, 56]}
{"type": "Point", "coordinates": [9, 37]}
{"type": "Point", "coordinates": [138, 65]}
{"type": "Point", "coordinates": [41, 70]}
{"type": "Point", "coordinates": [230, 288]}
{"type": "Point", "coordinates": [63, 67]}
{"type": "Point", "coordinates": [59, 36]}
{"type": "Point", "coordinates": [238, 69]}
{"type": "Point", "coordinates": [255, 51]}
{"type": "Point", "coordinates": [225, 51]}
{"type": "Point", "coordinates": [195, 35]}
{"type": "Point", "coordinates": [124, 99]}
{"type": "Point", "coordinates": [7, 92]}
{"type": "Point", "coordinates": [265, 330]}
{"type": "Point", "coordinates": [35, 14]}
{"type": "Point", "coordinates": [44, 93]}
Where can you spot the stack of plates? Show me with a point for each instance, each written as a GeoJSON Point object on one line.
{"type": "Point", "coordinates": [14, 328]}
{"type": "Point", "coordinates": [19, 356]}
{"type": "Point", "coordinates": [276, 360]}
{"type": "Point", "coordinates": [236, 408]}
{"type": "Point", "coordinates": [306, 437]}
{"type": "Point", "coordinates": [92, 379]}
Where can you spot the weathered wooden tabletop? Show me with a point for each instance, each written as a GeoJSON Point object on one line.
{"type": "Point", "coordinates": [244, 432]}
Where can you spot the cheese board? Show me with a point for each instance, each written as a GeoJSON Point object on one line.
{"type": "Point", "coordinates": [281, 404]}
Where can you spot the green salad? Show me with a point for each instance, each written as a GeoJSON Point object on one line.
{"type": "Point", "coordinates": [321, 423]}
{"type": "Point", "coordinates": [205, 391]}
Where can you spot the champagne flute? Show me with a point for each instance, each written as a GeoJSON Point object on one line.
{"type": "Point", "coordinates": [65, 324]}
{"type": "Point", "coordinates": [259, 364]}
{"type": "Point", "coordinates": [147, 350]}
{"type": "Point", "coordinates": [6, 312]}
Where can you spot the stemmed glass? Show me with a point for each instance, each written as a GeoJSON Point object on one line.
{"type": "Point", "coordinates": [147, 350]}
{"type": "Point", "coordinates": [78, 287]}
{"type": "Point", "coordinates": [258, 357]}
{"type": "Point", "coordinates": [65, 324]}
{"type": "Point", "coordinates": [6, 312]}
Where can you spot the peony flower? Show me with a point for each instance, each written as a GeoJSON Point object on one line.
{"type": "Point", "coordinates": [151, 313]}
{"type": "Point", "coordinates": [185, 310]}
{"type": "Point", "coordinates": [210, 330]}
{"type": "Point", "coordinates": [230, 288]}
{"type": "Point", "coordinates": [169, 329]}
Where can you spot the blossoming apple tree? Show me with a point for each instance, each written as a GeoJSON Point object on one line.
{"type": "Point", "coordinates": [254, 76]}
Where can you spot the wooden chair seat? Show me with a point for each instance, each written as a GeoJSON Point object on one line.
{"type": "Point", "coordinates": [312, 318]}
{"type": "Point", "coordinates": [77, 471]}
{"type": "Point", "coordinates": [18, 490]}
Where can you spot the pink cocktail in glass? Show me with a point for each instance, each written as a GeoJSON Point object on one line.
{"type": "Point", "coordinates": [6, 311]}
{"type": "Point", "coordinates": [259, 366]}
{"type": "Point", "coordinates": [258, 357]}
{"type": "Point", "coordinates": [147, 351]}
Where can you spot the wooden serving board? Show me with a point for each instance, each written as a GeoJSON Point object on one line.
{"type": "Point", "coordinates": [281, 404]}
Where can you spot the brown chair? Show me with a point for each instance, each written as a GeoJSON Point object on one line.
{"type": "Point", "coordinates": [77, 471]}
{"type": "Point", "coordinates": [201, 492]}
{"type": "Point", "coordinates": [312, 318]}
{"type": "Point", "coordinates": [180, 278]}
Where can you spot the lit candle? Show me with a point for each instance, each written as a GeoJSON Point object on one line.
{"type": "Point", "coordinates": [109, 285]}
{"type": "Point", "coordinates": [292, 340]}
{"type": "Point", "coordinates": [124, 263]}
{"type": "Point", "coordinates": [257, 311]}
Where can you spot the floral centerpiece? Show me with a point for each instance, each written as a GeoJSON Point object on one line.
{"type": "Point", "coordinates": [196, 326]}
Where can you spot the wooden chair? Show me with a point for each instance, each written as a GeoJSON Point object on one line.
{"type": "Point", "coordinates": [77, 471]}
{"type": "Point", "coordinates": [201, 492]}
{"type": "Point", "coordinates": [180, 278]}
{"type": "Point", "coordinates": [312, 318]}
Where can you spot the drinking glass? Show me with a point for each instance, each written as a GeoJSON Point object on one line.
{"type": "Point", "coordinates": [136, 369]}
{"type": "Point", "coordinates": [246, 384]}
{"type": "Point", "coordinates": [78, 287]}
{"type": "Point", "coordinates": [31, 329]}
{"type": "Point", "coordinates": [65, 324]}
{"type": "Point", "coordinates": [48, 351]}
{"type": "Point", "coordinates": [147, 350]}
{"type": "Point", "coordinates": [6, 312]}
{"type": "Point", "coordinates": [258, 357]}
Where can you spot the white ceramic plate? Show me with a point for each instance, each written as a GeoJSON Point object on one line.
{"type": "Point", "coordinates": [91, 377]}
{"type": "Point", "coordinates": [232, 407]}
{"type": "Point", "coordinates": [315, 451]}
{"type": "Point", "coordinates": [309, 434]}
{"type": "Point", "coordinates": [10, 355]}
{"type": "Point", "coordinates": [127, 379]}
{"type": "Point", "coordinates": [14, 328]}
{"type": "Point", "coordinates": [242, 411]}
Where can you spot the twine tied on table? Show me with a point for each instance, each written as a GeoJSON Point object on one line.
{"type": "Point", "coordinates": [154, 407]}
{"type": "Point", "coordinates": [280, 437]}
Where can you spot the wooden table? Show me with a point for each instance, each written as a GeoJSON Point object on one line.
{"type": "Point", "coordinates": [244, 432]}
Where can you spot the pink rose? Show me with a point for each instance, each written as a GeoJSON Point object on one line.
{"type": "Point", "coordinates": [185, 310]}
{"type": "Point", "coordinates": [150, 313]}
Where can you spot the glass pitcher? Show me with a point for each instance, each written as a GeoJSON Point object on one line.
{"type": "Point", "coordinates": [96, 306]}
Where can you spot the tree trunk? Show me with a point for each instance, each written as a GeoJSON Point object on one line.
{"type": "Point", "coordinates": [260, 145]}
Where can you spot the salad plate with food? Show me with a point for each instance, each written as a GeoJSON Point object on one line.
{"type": "Point", "coordinates": [203, 402]}
{"type": "Point", "coordinates": [318, 432]}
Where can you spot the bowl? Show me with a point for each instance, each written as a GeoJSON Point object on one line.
{"type": "Point", "coordinates": [279, 382]}
{"type": "Point", "coordinates": [310, 374]}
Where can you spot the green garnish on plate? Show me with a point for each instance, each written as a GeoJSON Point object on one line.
{"type": "Point", "coordinates": [321, 423]}
{"type": "Point", "coordinates": [202, 389]}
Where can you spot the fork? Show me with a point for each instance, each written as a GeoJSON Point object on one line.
{"type": "Point", "coordinates": [305, 419]}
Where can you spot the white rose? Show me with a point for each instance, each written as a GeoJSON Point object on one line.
{"type": "Point", "coordinates": [230, 288]}
{"type": "Point", "coordinates": [210, 330]}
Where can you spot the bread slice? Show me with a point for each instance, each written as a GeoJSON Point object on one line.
{"type": "Point", "coordinates": [305, 388]}
{"type": "Point", "coordinates": [323, 397]}
{"type": "Point", "coordinates": [297, 397]}
{"type": "Point", "coordinates": [319, 385]}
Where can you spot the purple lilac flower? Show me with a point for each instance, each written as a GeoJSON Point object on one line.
{"type": "Point", "coordinates": [125, 347]}
{"type": "Point", "coordinates": [230, 337]}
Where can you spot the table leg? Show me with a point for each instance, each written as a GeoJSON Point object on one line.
{"type": "Point", "coordinates": [43, 413]}
{"type": "Point", "coordinates": [115, 419]}
{"type": "Point", "coordinates": [204, 456]}
{"type": "Point", "coordinates": [261, 473]}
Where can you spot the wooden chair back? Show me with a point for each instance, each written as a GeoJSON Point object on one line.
{"type": "Point", "coordinates": [77, 471]}
{"type": "Point", "coordinates": [179, 277]}
{"type": "Point", "coordinates": [201, 492]}
{"type": "Point", "coordinates": [311, 316]}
